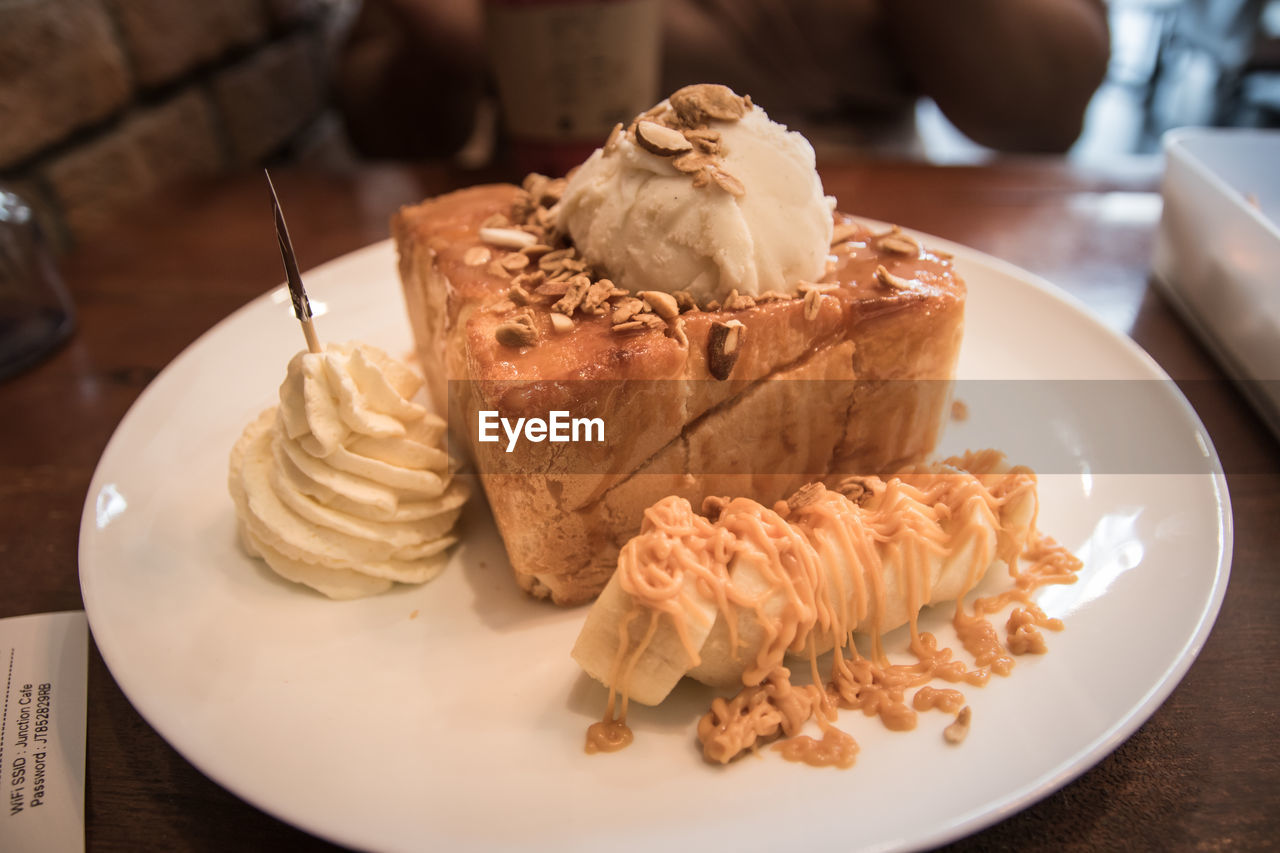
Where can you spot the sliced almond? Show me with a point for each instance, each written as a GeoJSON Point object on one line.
{"type": "Point", "coordinates": [738, 301]}
{"type": "Point", "coordinates": [477, 255]}
{"type": "Point", "coordinates": [806, 495]}
{"type": "Point", "coordinates": [552, 261]}
{"type": "Point", "coordinates": [552, 289]}
{"type": "Point", "coordinates": [611, 144]}
{"type": "Point", "coordinates": [676, 330]}
{"type": "Point", "coordinates": [724, 345]}
{"type": "Point", "coordinates": [498, 269]}
{"type": "Point", "coordinates": [888, 279]}
{"type": "Point", "coordinates": [561, 324]}
{"type": "Point", "coordinates": [691, 163]}
{"type": "Point", "coordinates": [660, 140]}
{"type": "Point", "coordinates": [630, 326]}
{"type": "Point", "coordinates": [812, 304]}
{"type": "Point", "coordinates": [663, 304]}
{"type": "Point", "coordinates": [702, 179]}
{"type": "Point", "coordinates": [703, 136]}
{"type": "Point", "coordinates": [701, 102]}
{"type": "Point", "coordinates": [537, 250]}
{"type": "Point", "coordinates": [820, 286]}
{"type": "Point", "coordinates": [729, 183]}
{"type": "Point", "coordinates": [899, 243]}
{"type": "Point", "coordinates": [507, 238]}
{"type": "Point", "coordinates": [514, 262]}
{"type": "Point", "coordinates": [843, 232]}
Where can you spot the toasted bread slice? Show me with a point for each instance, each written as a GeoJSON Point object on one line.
{"type": "Point", "coordinates": [853, 378]}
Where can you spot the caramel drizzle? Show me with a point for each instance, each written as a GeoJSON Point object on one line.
{"type": "Point", "coordinates": [679, 554]}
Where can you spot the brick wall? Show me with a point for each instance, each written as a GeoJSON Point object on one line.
{"type": "Point", "coordinates": [104, 101]}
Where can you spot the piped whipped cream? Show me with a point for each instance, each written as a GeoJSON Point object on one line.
{"type": "Point", "coordinates": [345, 486]}
{"type": "Point", "coordinates": [704, 194]}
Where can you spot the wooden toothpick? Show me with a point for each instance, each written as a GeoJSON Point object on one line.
{"type": "Point", "coordinates": [297, 293]}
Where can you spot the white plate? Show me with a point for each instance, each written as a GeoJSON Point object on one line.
{"type": "Point", "coordinates": [451, 715]}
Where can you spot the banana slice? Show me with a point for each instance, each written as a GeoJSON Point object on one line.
{"type": "Point", "coordinates": [723, 602]}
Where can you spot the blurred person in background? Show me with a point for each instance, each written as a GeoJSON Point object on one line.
{"type": "Point", "coordinates": [1014, 75]}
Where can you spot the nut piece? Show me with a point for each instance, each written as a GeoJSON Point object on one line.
{"type": "Point", "coordinates": [729, 183]}
{"type": "Point", "coordinates": [477, 255]}
{"type": "Point", "coordinates": [614, 136]}
{"type": "Point", "coordinates": [888, 279]}
{"type": "Point", "coordinates": [514, 262]}
{"type": "Point", "coordinates": [561, 324]}
{"type": "Point", "coordinates": [660, 140]}
{"type": "Point", "coordinates": [724, 344]}
{"type": "Point", "coordinates": [597, 294]}
{"type": "Point", "coordinates": [507, 238]}
{"type": "Point", "coordinates": [518, 332]}
{"type": "Point", "coordinates": [806, 495]}
{"type": "Point", "coordinates": [573, 295]}
{"type": "Point", "coordinates": [701, 102]}
{"type": "Point", "coordinates": [899, 242]}
{"type": "Point", "coordinates": [812, 303]}
{"type": "Point", "coordinates": [627, 308]}
{"type": "Point", "coordinates": [856, 489]}
{"type": "Point", "coordinates": [956, 732]}
{"type": "Point", "coordinates": [843, 232]}
{"type": "Point", "coordinates": [685, 301]}
{"type": "Point", "coordinates": [704, 139]}
{"type": "Point", "coordinates": [518, 295]}
{"type": "Point", "coordinates": [713, 506]}
{"type": "Point", "coordinates": [738, 301]}
{"type": "Point", "coordinates": [663, 304]}
{"type": "Point", "coordinates": [691, 163]}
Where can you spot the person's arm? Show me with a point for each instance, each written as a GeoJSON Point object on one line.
{"type": "Point", "coordinates": [1011, 74]}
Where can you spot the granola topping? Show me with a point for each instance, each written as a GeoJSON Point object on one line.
{"type": "Point", "coordinates": [517, 332]}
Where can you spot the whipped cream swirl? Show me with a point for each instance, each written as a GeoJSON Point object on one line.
{"type": "Point", "coordinates": [345, 487]}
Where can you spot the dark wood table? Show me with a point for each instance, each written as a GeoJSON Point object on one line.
{"type": "Point", "coordinates": [1202, 773]}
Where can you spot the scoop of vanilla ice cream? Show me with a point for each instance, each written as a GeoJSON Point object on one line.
{"type": "Point", "coordinates": [344, 486]}
{"type": "Point", "coordinates": [632, 214]}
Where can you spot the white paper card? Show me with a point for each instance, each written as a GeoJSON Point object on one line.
{"type": "Point", "coordinates": [44, 675]}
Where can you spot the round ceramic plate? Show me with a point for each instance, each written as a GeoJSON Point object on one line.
{"type": "Point", "coordinates": [450, 715]}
